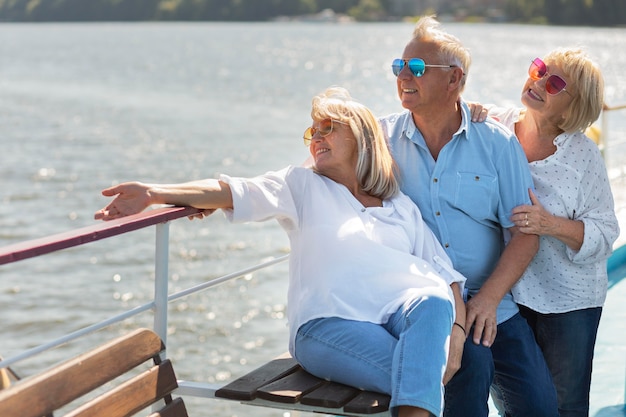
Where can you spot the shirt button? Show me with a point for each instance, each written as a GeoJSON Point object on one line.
{"type": "Point", "coordinates": [435, 180]}
{"type": "Point", "coordinates": [447, 245]}
{"type": "Point", "coordinates": [438, 213]}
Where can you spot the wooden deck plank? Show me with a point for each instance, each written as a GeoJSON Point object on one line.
{"type": "Point", "coordinates": [368, 402]}
{"type": "Point", "coordinates": [330, 395]}
{"type": "Point", "coordinates": [245, 388]}
{"type": "Point", "coordinates": [282, 381]}
{"type": "Point", "coordinates": [290, 388]}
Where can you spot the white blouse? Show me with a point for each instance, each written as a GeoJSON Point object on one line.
{"type": "Point", "coordinates": [571, 183]}
{"type": "Point", "coordinates": [346, 260]}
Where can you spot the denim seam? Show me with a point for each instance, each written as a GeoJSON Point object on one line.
{"type": "Point", "coordinates": [401, 348]}
{"type": "Point", "coordinates": [502, 394]}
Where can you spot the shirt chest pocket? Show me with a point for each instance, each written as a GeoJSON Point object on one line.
{"type": "Point", "coordinates": [476, 194]}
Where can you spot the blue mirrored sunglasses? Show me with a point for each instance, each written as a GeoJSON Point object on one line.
{"type": "Point", "coordinates": [417, 66]}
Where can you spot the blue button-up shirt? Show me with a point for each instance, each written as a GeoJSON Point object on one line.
{"type": "Point", "coordinates": [467, 194]}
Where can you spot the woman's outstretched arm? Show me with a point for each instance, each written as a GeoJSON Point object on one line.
{"type": "Point", "coordinates": [134, 197]}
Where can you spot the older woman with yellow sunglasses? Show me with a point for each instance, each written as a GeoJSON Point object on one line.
{"type": "Point", "coordinates": [372, 295]}
{"type": "Point", "coordinates": [562, 292]}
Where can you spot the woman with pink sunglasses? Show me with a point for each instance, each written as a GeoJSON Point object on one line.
{"type": "Point", "coordinates": [562, 292]}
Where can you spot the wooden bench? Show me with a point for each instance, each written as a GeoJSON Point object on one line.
{"type": "Point", "coordinates": [282, 383]}
{"type": "Point", "coordinates": [44, 393]}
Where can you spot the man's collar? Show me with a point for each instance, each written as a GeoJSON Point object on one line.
{"type": "Point", "coordinates": [410, 128]}
{"type": "Point", "coordinates": [466, 119]}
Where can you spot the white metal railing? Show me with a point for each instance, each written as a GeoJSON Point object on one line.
{"type": "Point", "coordinates": [159, 218]}
{"type": "Point", "coordinates": [599, 133]}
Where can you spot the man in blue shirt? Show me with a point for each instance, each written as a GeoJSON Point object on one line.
{"type": "Point", "coordinates": [466, 178]}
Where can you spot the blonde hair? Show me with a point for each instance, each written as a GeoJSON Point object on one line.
{"type": "Point", "coordinates": [375, 169]}
{"type": "Point", "coordinates": [451, 50]}
{"type": "Point", "coordinates": [588, 87]}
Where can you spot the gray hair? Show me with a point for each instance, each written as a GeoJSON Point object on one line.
{"type": "Point", "coordinates": [451, 50]}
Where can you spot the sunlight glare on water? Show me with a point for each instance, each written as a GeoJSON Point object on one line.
{"type": "Point", "coordinates": [85, 106]}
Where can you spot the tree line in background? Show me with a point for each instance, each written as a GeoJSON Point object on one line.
{"type": "Point", "coordinates": [555, 12]}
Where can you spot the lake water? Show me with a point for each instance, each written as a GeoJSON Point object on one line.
{"type": "Point", "coordinates": [84, 106]}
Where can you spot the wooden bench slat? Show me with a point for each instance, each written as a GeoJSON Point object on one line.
{"type": "Point", "coordinates": [245, 388]}
{"type": "Point", "coordinates": [133, 395]}
{"type": "Point", "coordinates": [367, 402]}
{"type": "Point", "coordinates": [290, 388]}
{"type": "Point", "coordinates": [62, 384]}
{"type": "Point", "coordinates": [283, 381]}
{"type": "Point", "coordinates": [330, 395]}
{"type": "Point", "coordinates": [174, 409]}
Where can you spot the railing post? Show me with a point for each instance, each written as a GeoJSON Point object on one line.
{"type": "Point", "coordinates": [604, 130]}
{"type": "Point", "coordinates": [161, 269]}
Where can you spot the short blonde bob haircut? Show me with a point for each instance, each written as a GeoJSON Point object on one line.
{"type": "Point", "coordinates": [375, 169]}
{"type": "Point", "coordinates": [587, 87]}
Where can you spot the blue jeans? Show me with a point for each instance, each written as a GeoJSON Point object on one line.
{"type": "Point", "coordinates": [405, 357]}
{"type": "Point", "coordinates": [567, 341]}
{"type": "Point", "coordinates": [514, 368]}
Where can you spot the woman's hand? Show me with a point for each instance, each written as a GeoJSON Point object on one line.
{"type": "Point", "coordinates": [202, 214]}
{"type": "Point", "coordinates": [130, 198]}
{"type": "Point", "coordinates": [457, 342]}
{"type": "Point", "coordinates": [536, 220]}
{"type": "Point", "coordinates": [477, 111]}
{"type": "Point", "coordinates": [533, 220]}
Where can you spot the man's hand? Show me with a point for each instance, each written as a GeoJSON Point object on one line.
{"type": "Point", "coordinates": [481, 313]}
